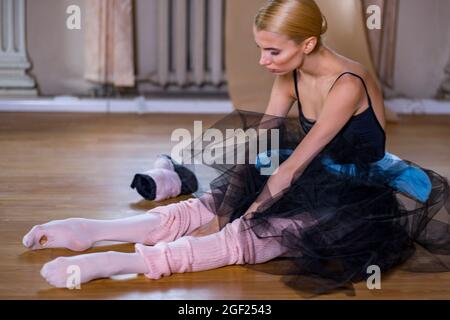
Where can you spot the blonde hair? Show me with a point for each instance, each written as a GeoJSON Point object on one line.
{"type": "Point", "coordinates": [297, 19]}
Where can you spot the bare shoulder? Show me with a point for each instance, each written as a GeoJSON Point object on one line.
{"type": "Point", "coordinates": [359, 69]}
{"type": "Point", "coordinates": [362, 71]}
{"type": "Point", "coordinates": [347, 84]}
{"type": "Point", "coordinates": [370, 81]}
{"type": "Point", "coordinates": [372, 86]}
{"type": "Point", "coordinates": [346, 93]}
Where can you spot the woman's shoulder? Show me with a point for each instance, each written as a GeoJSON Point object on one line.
{"type": "Point", "coordinates": [346, 76]}
{"type": "Point", "coordinates": [355, 67]}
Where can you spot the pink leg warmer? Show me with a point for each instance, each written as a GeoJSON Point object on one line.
{"type": "Point", "coordinates": [178, 219]}
{"type": "Point", "coordinates": [234, 244]}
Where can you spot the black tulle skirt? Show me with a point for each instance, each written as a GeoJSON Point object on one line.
{"type": "Point", "coordinates": [346, 217]}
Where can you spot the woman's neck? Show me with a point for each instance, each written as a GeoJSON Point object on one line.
{"type": "Point", "coordinates": [319, 64]}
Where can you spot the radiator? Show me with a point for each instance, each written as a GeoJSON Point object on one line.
{"type": "Point", "coordinates": [190, 39]}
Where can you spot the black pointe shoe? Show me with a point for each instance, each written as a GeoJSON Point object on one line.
{"type": "Point", "coordinates": [189, 182]}
{"type": "Point", "coordinates": [145, 186]}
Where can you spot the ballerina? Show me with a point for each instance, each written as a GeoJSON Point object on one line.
{"type": "Point", "coordinates": [337, 203]}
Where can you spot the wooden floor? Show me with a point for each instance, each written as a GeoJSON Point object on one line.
{"type": "Point", "coordinates": [56, 166]}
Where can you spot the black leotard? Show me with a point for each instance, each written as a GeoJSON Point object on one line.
{"type": "Point", "coordinates": [362, 128]}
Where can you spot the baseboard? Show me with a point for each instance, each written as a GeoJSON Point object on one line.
{"type": "Point", "coordinates": [136, 105]}
{"type": "Point", "coordinates": [419, 106]}
{"type": "Point", "coordinates": [188, 105]}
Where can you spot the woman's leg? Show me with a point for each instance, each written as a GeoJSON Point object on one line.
{"type": "Point", "coordinates": [164, 223]}
{"type": "Point", "coordinates": [234, 244]}
{"type": "Point", "coordinates": [91, 266]}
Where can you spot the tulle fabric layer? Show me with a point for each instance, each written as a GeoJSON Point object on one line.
{"type": "Point", "coordinates": [345, 218]}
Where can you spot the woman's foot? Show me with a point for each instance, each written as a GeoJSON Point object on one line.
{"type": "Point", "coordinates": [75, 234]}
{"type": "Point", "coordinates": [69, 272]}
{"type": "Point", "coordinates": [79, 234]}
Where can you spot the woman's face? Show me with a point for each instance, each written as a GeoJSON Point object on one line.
{"type": "Point", "coordinates": [279, 54]}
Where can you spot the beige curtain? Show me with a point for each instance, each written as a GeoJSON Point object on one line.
{"type": "Point", "coordinates": [382, 42]}
{"type": "Point", "coordinates": [109, 56]}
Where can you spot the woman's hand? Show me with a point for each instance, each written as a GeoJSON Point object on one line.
{"type": "Point", "coordinates": [207, 229]}
{"type": "Point", "coordinates": [251, 211]}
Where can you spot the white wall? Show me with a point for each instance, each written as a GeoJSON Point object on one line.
{"type": "Point", "coordinates": [57, 54]}
{"type": "Point", "coordinates": [423, 47]}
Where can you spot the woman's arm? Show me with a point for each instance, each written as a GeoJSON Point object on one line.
{"type": "Point", "coordinates": [281, 98]}
{"type": "Point", "coordinates": [281, 101]}
{"type": "Point", "coordinates": [340, 105]}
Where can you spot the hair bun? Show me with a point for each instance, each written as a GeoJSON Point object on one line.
{"type": "Point", "coordinates": [324, 25]}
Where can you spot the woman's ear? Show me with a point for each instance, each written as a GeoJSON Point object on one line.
{"type": "Point", "coordinates": [310, 44]}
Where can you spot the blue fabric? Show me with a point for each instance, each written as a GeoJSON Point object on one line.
{"type": "Point", "coordinates": [263, 159]}
{"type": "Point", "coordinates": [398, 174]}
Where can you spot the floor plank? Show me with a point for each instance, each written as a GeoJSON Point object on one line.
{"type": "Point", "coordinates": [61, 165]}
